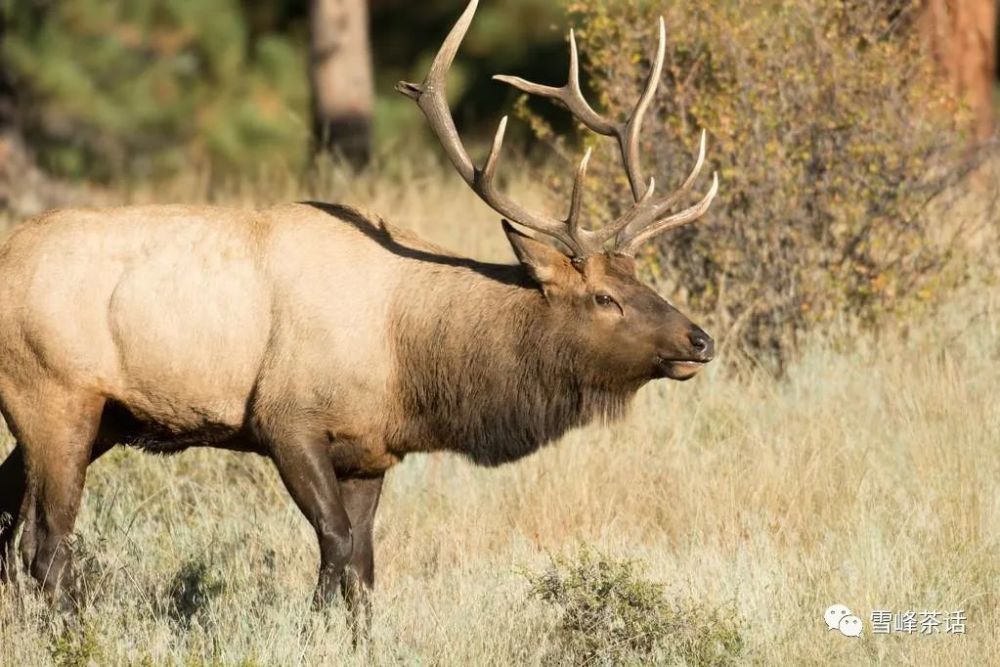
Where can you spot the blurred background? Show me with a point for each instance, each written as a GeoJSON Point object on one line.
{"type": "Point", "coordinates": [843, 130]}
{"type": "Point", "coordinates": [104, 90]}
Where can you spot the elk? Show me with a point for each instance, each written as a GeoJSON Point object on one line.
{"type": "Point", "coordinates": [325, 339]}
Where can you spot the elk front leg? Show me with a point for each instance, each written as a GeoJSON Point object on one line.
{"type": "Point", "coordinates": [307, 472]}
{"type": "Point", "coordinates": [360, 496]}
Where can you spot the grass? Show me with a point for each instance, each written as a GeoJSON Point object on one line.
{"type": "Point", "coordinates": [867, 477]}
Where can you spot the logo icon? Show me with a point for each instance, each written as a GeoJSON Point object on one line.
{"type": "Point", "coordinates": [839, 617]}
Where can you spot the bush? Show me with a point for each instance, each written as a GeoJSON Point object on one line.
{"type": "Point", "coordinates": [610, 615]}
{"type": "Point", "coordinates": [77, 644]}
{"type": "Point", "coordinates": [830, 139]}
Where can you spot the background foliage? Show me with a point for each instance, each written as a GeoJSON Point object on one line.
{"type": "Point", "coordinates": [134, 89]}
{"type": "Point", "coordinates": [146, 88]}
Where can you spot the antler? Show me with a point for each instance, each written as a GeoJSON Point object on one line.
{"type": "Point", "coordinates": [646, 218]}
{"type": "Point", "coordinates": [430, 97]}
{"type": "Point", "coordinates": [639, 224]}
{"type": "Point", "coordinates": [571, 96]}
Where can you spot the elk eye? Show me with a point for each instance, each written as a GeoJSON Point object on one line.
{"type": "Point", "coordinates": [604, 300]}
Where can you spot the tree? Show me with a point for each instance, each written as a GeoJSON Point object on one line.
{"type": "Point", "coordinates": [6, 95]}
{"type": "Point", "coordinates": [962, 35]}
{"type": "Point", "coordinates": [340, 63]}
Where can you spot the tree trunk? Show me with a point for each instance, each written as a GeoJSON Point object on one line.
{"type": "Point", "coordinates": [341, 77]}
{"type": "Point", "coordinates": [6, 88]}
{"type": "Point", "coordinates": [962, 37]}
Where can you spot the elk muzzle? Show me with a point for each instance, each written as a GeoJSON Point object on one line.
{"type": "Point", "coordinates": [700, 351]}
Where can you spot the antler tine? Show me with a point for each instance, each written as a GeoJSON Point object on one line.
{"type": "Point", "coordinates": [698, 164]}
{"type": "Point", "coordinates": [645, 210]}
{"type": "Point", "coordinates": [490, 166]}
{"type": "Point", "coordinates": [646, 218]}
{"type": "Point", "coordinates": [629, 139]}
{"type": "Point", "coordinates": [573, 219]}
{"type": "Point", "coordinates": [430, 97]}
{"type": "Point", "coordinates": [630, 245]}
{"type": "Point", "coordinates": [569, 95]}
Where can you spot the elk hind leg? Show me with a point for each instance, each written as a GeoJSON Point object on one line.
{"type": "Point", "coordinates": [57, 437]}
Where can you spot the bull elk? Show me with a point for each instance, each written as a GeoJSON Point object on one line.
{"type": "Point", "coordinates": [332, 343]}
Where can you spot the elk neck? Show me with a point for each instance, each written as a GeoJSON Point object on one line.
{"type": "Point", "coordinates": [485, 369]}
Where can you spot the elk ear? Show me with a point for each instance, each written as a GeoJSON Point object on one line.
{"type": "Point", "coordinates": [547, 266]}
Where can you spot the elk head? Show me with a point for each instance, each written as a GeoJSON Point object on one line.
{"type": "Point", "coordinates": [624, 328]}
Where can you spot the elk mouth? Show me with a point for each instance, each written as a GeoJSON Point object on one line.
{"type": "Point", "coordinates": [678, 369]}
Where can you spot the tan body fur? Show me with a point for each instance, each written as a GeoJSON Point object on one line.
{"type": "Point", "coordinates": [196, 319]}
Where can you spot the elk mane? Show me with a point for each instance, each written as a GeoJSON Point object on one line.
{"type": "Point", "coordinates": [486, 372]}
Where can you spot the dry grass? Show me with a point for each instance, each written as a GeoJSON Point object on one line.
{"type": "Point", "coordinates": [868, 477]}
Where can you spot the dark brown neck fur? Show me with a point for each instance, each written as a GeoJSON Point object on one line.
{"type": "Point", "coordinates": [484, 369]}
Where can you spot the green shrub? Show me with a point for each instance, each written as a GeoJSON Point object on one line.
{"type": "Point", "coordinates": [609, 615]}
{"type": "Point", "coordinates": [830, 140]}
{"type": "Point", "coordinates": [76, 645]}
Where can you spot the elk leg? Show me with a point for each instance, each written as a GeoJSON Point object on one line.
{"type": "Point", "coordinates": [56, 436]}
{"type": "Point", "coordinates": [308, 474]}
{"type": "Point", "coordinates": [13, 478]}
{"type": "Point", "coordinates": [12, 491]}
{"type": "Point", "coordinates": [360, 496]}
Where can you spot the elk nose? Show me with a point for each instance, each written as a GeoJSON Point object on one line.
{"type": "Point", "coordinates": [702, 344]}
